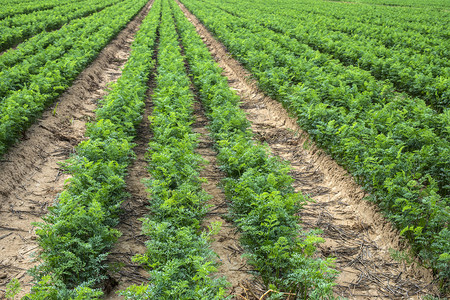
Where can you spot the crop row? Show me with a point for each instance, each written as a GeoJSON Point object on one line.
{"type": "Point", "coordinates": [35, 49]}
{"type": "Point", "coordinates": [16, 29]}
{"type": "Point", "coordinates": [427, 22]}
{"type": "Point", "coordinates": [349, 88]}
{"type": "Point", "coordinates": [15, 7]}
{"type": "Point", "coordinates": [180, 262]}
{"type": "Point", "coordinates": [384, 139]}
{"type": "Point", "coordinates": [366, 24]}
{"type": "Point", "coordinates": [419, 74]}
{"type": "Point", "coordinates": [427, 4]}
{"type": "Point", "coordinates": [78, 232]}
{"type": "Point", "coordinates": [20, 74]}
{"type": "Point", "coordinates": [414, 63]}
{"type": "Point", "coordinates": [263, 203]}
{"type": "Point", "coordinates": [28, 87]}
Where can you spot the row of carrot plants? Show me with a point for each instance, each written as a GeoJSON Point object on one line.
{"type": "Point", "coordinates": [426, 21]}
{"type": "Point", "coordinates": [180, 262]}
{"type": "Point", "coordinates": [413, 62]}
{"type": "Point", "coordinates": [18, 28]}
{"type": "Point", "coordinates": [399, 71]}
{"type": "Point", "coordinates": [31, 85]}
{"type": "Point", "coordinates": [263, 202]}
{"type": "Point", "coordinates": [13, 7]}
{"type": "Point", "coordinates": [35, 49]}
{"type": "Point", "coordinates": [341, 84]}
{"type": "Point", "coordinates": [19, 68]}
{"type": "Point", "coordinates": [413, 34]}
{"type": "Point", "coordinates": [393, 27]}
{"type": "Point", "coordinates": [439, 5]}
{"type": "Point", "coordinates": [392, 145]}
{"type": "Point", "coordinates": [78, 231]}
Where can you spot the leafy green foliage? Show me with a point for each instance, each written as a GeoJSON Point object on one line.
{"type": "Point", "coordinates": [53, 289]}
{"type": "Point", "coordinates": [396, 146]}
{"type": "Point", "coordinates": [12, 288]}
{"type": "Point", "coordinates": [12, 7]}
{"type": "Point", "coordinates": [78, 232]}
{"type": "Point", "coordinates": [405, 53]}
{"type": "Point", "coordinates": [34, 75]}
{"type": "Point", "coordinates": [181, 264]}
{"type": "Point", "coordinates": [19, 27]}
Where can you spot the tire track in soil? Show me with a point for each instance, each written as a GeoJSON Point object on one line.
{"type": "Point", "coordinates": [354, 230]}
{"type": "Point", "coordinates": [30, 177]}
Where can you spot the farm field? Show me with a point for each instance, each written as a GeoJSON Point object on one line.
{"type": "Point", "coordinates": [203, 149]}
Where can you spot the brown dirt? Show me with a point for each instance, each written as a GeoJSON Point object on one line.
{"type": "Point", "coordinates": [354, 230]}
{"type": "Point", "coordinates": [30, 177]}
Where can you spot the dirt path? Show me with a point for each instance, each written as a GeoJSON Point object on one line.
{"type": "Point", "coordinates": [226, 242]}
{"type": "Point", "coordinates": [30, 177]}
{"type": "Point", "coordinates": [354, 231]}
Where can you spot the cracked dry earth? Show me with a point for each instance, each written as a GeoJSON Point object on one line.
{"type": "Point", "coordinates": [354, 230]}
{"type": "Point", "coordinates": [31, 177]}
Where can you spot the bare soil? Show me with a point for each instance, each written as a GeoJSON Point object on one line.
{"type": "Point", "coordinates": [31, 177]}
{"type": "Point", "coordinates": [354, 230]}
